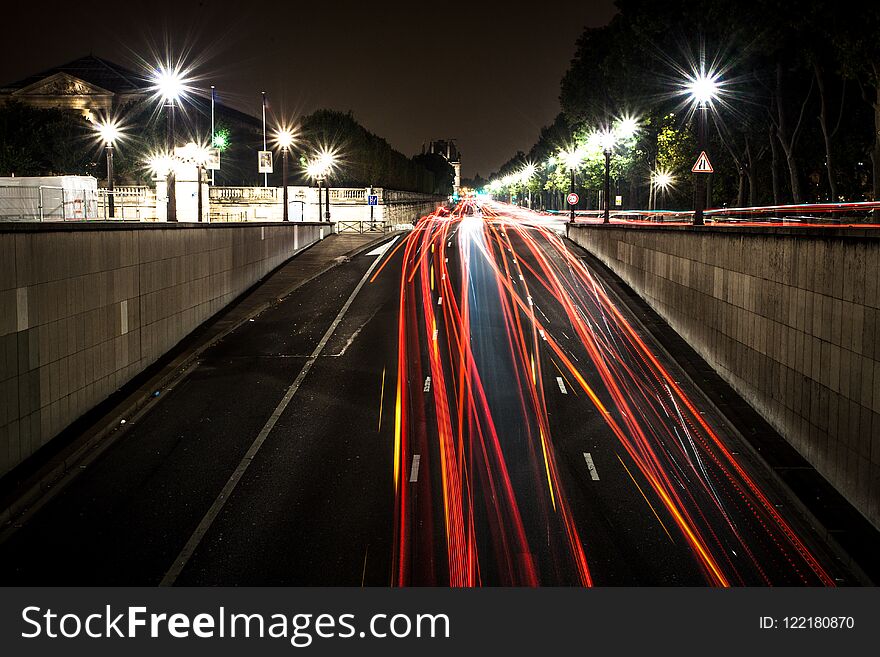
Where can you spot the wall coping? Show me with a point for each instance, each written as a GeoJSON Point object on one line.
{"type": "Point", "coordinates": [734, 229]}
{"type": "Point", "coordinates": [67, 226]}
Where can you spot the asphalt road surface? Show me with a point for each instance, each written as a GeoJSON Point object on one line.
{"type": "Point", "coordinates": [468, 407]}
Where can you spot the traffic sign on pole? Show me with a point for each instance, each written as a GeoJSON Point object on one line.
{"type": "Point", "coordinates": [703, 165]}
{"type": "Point", "coordinates": [572, 199]}
{"type": "Point", "coordinates": [372, 199]}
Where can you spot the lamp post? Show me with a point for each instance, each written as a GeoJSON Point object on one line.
{"type": "Point", "coordinates": [607, 139]}
{"type": "Point", "coordinates": [660, 181]}
{"type": "Point", "coordinates": [319, 169]}
{"type": "Point", "coordinates": [525, 178]}
{"type": "Point", "coordinates": [109, 133]}
{"type": "Point", "coordinates": [284, 138]}
{"type": "Point", "coordinates": [572, 159]}
{"type": "Point", "coordinates": [703, 89]}
{"type": "Point", "coordinates": [169, 85]}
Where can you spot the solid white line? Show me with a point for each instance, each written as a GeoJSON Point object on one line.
{"type": "Point", "coordinates": [561, 385]}
{"type": "Point", "coordinates": [427, 384]}
{"type": "Point", "coordinates": [206, 522]}
{"type": "Point", "coordinates": [439, 301]}
{"type": "Point", "coordinates": [591, 466]}
{"type": "Point", "coordinates": [414, 471]}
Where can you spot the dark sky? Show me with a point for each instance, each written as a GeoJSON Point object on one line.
{"type": "Point", "coordinates": [485, 73]}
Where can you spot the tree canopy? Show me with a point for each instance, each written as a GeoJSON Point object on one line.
{"type": "Point", "coordinates": [797, 117]}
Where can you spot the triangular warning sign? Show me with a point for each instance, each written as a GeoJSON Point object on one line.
{"type": "Point", "coordinates": [703, 164]}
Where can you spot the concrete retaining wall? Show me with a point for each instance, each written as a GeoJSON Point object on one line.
{"type": "Point", "coordinates": [789, 317]}
{"type": "Point", "coordinates": [85, 307]}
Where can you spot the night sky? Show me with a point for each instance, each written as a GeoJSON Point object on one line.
{"type": "Point", "coordinates": [486, 74]}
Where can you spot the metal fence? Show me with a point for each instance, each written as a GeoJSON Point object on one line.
{"type": "Point", "coordinates": [47, 203]}
{"type": "Point", "coordinates": [361, 227]}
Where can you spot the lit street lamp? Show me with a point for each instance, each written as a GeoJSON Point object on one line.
{"type": "Point", "coordinates": [169, 85]}
{"type": "Point", "coordinates": [109, 132]}
{"type": "Point", "coordinates": [571, 159]}
{"type": "Point", "coordinates": [702, 89]}
{"type": "Point", "coordinates": [660, 180]}
{"type": "Point", "coordinates": [284, 138]}
{"type": "Point", "coordinates": [525, 176]}
{"type": "Point", "coordinates": [607, 140]}
{"type": "Point", "coordinates": [319, 169]}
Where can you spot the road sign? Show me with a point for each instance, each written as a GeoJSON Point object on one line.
{"type": "Point", "coordinates": [372, 199]}
{"type": "Point", "coordinates": [572, 199]}
{"type": "Point", "coordinates": [703, 165]}
{"type": "Point", "coordinates": [264, 161]}
{"type": "Point", "coordinates": [618, 200]}
{"type": "Point", "coordinates": [212, 161]}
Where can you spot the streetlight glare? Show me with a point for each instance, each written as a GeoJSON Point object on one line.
{"type": "Point", "coordinates": [322, 164]}
{"type": "Point", "coordinates": [572, 158]}
{"type": "Point", "coordinates": [702, 88]}
{"type": "Point", "coordinates": [169, 83]}
{"type": "Point", "coordinates": [607, 138]}
{"type": "Point", "coordinates": [663, 179]}
{"type": "Point", "coordinates": [160, 164]}
{"type": "Point", "coordinates": [527, 172]}
{"type": "Point", "coordinates": [284, 137]}
{"type": "Point", "coordinates": [109, 131]}
{"type": "Point", "coordinates": [627, 127]}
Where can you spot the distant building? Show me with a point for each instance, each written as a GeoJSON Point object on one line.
{"type": "Point", "coordinates": [95, 88]}
{"type": "Point", "coordinates": [448, 149]}
{"type": "Point", "coordinates": [88, 84]}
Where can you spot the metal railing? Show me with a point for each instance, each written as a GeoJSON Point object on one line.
{"type": "Point", "coordinates": [361, 227]}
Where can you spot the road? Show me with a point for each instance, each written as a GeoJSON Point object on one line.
{"type": "Point", "coordinates": [468, 407]}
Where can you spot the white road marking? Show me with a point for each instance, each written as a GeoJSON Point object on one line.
{"type": "Point", "coordinates": [543, 336]}
{"type": "Point", "coordinates": [190, 547]}
{"type": "Point", "coordinates": [591, 466]}
{"type": "Point", "coordinates": [439, 301]}
{"type": "Point", "coordinates": [414, 470]}
{"type": "Point", "coordinates": [382, 248]}
{"type": "Point", "coordinates": [435, 335]}
{"type": "Point", "coordinates": [561, 385]}
{"type": "Point", "coordinates": [427, 384]}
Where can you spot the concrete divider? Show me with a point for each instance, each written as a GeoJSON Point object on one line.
{"type": "Point", "coordinates": [789, 317]}
{"type": "Point", "coordinates": [85, 307]}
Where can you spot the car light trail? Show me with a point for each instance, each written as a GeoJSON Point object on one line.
{"type": "Point", "coordinates": [476, 288]}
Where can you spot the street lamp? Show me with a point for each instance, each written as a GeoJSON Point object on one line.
{"type": "Point", "coordinates": [572, 160]}
{"type": "Point", "coordinates": [525, 176]}
{"type": "Point", "coordinates": [284, 138]}
{"type": "Point", "coordinates": [702, 88]}
{"type": "Point", "coordinates": [169, 85]}
{"type": "Point", "coordinates": [607, 140]}
{"type": "Point", "coordinates": [319, 169]}
{"type": "Point", "coordinates": [661, 180]}
{"type": "Point", "coordinates": [109, 133]}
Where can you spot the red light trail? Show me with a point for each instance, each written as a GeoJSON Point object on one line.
{"type": "Point", "coordinates": [492, 306]}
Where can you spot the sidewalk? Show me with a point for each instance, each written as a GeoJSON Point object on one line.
{"type": "Point", "coordinates": [25, 489]}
